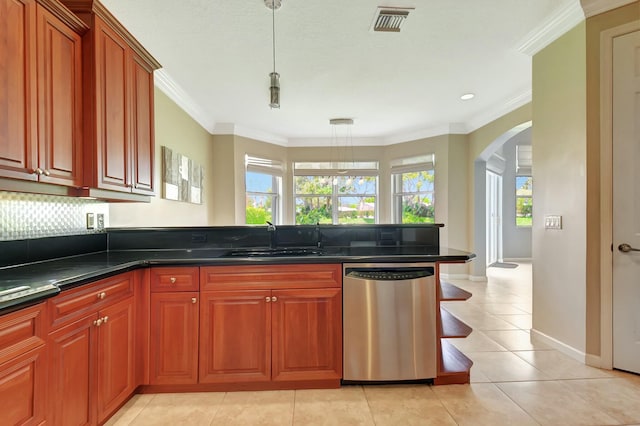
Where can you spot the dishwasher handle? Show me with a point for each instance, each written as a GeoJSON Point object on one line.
{"type": "Point", "coordinates": [389, 274]}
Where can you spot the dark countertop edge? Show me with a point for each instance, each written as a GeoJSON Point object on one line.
{"type": "Point", "coordinates": [98, 273]}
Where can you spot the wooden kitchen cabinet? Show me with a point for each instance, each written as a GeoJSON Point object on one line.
{"type": "Point", "coordinates": [23, 389]}
{"type": "Point", "coordinates": [271, 324]}
{"type": "Point", "coordinates": [174, 325]}
{"type": "Point", "coordinates": [41, 92]}
{"type": "Point", "coordinates": [91, 350]}
{"type": "Point", "coordinates": [118, 104]}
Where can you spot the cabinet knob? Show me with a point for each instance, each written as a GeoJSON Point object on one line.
{"type": "Point", "coordinates": [194, 300]}
{"type": "Point", "coordinates": [267, 299]}
{"type": "Point", "coordinates": [46, 172]}
{"type": "Point", "coordinates": [104, 320]}
{"type": "Point", "coordinates": [102, 295]}
{"type": "Point", "coordinates": [173, 280]}
{"type": "Point", "coordinates": [274, 299]}
{"type": "Point", "coordinates": [97, 322]}
{"type": "Point", "coordinates": [37, 171]}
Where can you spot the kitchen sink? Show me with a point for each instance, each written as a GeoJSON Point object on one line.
{"type": "Point", "coordinates": [273, 252]}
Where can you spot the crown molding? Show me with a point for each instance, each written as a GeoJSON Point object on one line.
{"type": "Point", "coordinates": [550, 29]}
{"type": "Point", "coordinates": [503, 109]}
{"type": "Point", "coordinates": [430, 132]}
{"type": "Point", "coordinates": [164, 82]}
{"type": "Point", "coordinates": [248, 132]}
{"type": "Point", "coordinates": [596, 7]}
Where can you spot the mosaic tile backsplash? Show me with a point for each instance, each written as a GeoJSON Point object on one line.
{"type": "Point", "coordinates": [25, 216]}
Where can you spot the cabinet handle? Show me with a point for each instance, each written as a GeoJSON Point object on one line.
{"type": "Point", "coordinates": [267, 299]}
{"type": "Point", "coordinates": [104, 320]}
{"type": "Point", "coordinates": [97, 322]}
{"type": "Point", "coordinates": [102, 295]}
{"type": "Point", "coordinates": [173, 280]}
{"type": "Point", "coordinates": [194, 300]}
{"type": "Point", "coordinates": [274, 299]}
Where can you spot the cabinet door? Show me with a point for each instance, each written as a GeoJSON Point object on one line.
{"type": "Point", "coordinates": [174, 338]}
{"type": "Point", "coordinates": [71, 362]}
{"type": "Point", "coordinates": [112, 135]}
{"type": "Point", "coordinates": [235, 336]}
{"type": "Point", "coordinates": [18, 130]}
{"type": "Point", "coordinates": [142, 137]}
{"type": "Point", "coordinates": [116, 362]}
{"type": "Point", "coordinates": [307, 334]}
{"type": "Point", "coordinates": [59, 101]}
{"type": "Point", "coordinates": [23, 389]}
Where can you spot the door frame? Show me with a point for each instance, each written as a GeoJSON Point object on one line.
{"type": "Point", "coordinates": [491, 201]}
{"type": "Point", "coordinates": [606, 189]}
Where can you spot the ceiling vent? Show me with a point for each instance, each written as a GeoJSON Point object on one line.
{"type": "Point", "coordinates": [390, 19]}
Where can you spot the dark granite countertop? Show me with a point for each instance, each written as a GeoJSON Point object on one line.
{"type": "Point", "coordinates": [52, 276]}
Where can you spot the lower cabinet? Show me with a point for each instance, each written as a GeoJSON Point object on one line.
{"type": "Point", "coordinates": [23, 390]}
{"type": "Point", "coordinates": [91, 359]}
{"type": "Point", "coordinates": [278, 323]}
{"type": "Point", "coordinates": [173, 354]}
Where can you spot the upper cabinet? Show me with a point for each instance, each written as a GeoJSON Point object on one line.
{"type": "Point", "coordinates": [118, 104]}
{"type": "Point", "coordinates": [40, 92]}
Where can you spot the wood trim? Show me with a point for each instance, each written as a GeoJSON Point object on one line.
{"type": "Point", "coordinates": [65, 15]}
{"type": "Point", "coordinates": [450, 326]}
{"type": "Point", "coordinates": [98, 9]}
{"type": "Point", "coordinates": [247, 386]}
{"type": "Point", "coordinates": [450, 292]}
{"type": "Point", "coordinates": [455, 366]}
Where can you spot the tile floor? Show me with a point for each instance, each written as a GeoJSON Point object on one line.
{"type": "Point", "coordinates": [514, 382]}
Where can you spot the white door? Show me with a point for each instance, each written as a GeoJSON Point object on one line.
{"type": "Point", "coordinates": [494, 217]}
{"type": "Point", "coordinates": [626, 202]}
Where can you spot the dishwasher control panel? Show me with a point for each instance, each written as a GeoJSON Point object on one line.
{"type": "Point", "coordinates": [389, 275]}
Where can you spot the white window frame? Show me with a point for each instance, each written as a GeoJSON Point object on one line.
{"type": "Point", "coordinates": [409, 165]}
{"type": "Point", "coordinates": [333, 171]}
{"type": "Point", "coordinates": [273, 168]}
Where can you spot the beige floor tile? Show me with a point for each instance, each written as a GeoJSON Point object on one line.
{"type": "Point", "coordinates": [477, 341]}
{"type": "Point", "coordinates": [256, 408]}
{"type": "Point", "coordinates": [557, 365]}
{"type": "Point", "coordinates": [344, 406]}
{"type": "Point", "coordinates": [406, 405]}
{"type": "Point", "coordinates": [501, 309]}
{"type": "Point", "coordinates": [481, 404]}
{"type": "Point", "coordinates": [619, 398]}
{"type": "Point", "coordinates": [504, 367]}
{"type": "Point", "coordinates": [484, 321]}
{"type": "Point", "coordinates": [180, 408]}
{"type": "Point", "coordinates": [553, 403]}
{"type": "Point", "coordinates": [515, 340]}
{"type": "Point", "coordinates": [130, 410]}
{"type": "Point", "coordinates": [477, 376]}
{"type": "Point", "coordinates": [522, 321]}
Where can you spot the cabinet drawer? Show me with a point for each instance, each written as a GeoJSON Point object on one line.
{"type": "Point", "coordinates": [175, 279]}
{"type": "Point", "coordinates": [21, 331]}
{"type": "Point", "coordinates": [270, 277]}
{"type": "Point", "coordinates": [73, 304]}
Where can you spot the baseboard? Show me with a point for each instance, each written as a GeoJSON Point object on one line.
{"type": "Point", "coordinates": [538, 337]}
{"type": "Point", "coordinates": [516, 259]}
{"type": "Point", "coordinates": [478, 278]}
{"type": "Point", "coordinates": [596, 361]}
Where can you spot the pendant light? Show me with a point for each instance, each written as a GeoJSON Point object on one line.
{"type": "Point", "coordinates": [274, 77]}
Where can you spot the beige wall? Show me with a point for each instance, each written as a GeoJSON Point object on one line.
{"type": "Point", "coordinates": [559, 173]}
{"type": "Point", "coordinates": [222, 210]}
{"type": "Point", "coordinates": [176, 130]}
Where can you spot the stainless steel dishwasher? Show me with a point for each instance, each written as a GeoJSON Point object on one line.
{"type": "Point", "coordinates": [389, 322]}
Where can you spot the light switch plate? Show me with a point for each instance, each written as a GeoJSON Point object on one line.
{"type": "Point", "coordinates": [100, 221]}
{"type": "Point", "coordinates": [91, 224]}
{"type": "Point", "coordinates": [553, 222]}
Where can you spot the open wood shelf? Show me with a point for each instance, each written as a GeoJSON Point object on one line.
{"type": "Point", "coordinates": [454, 367]}
{"type": "Point", "coordinates": [450, 292]}
{"type": "Point", "coordinates": [451, 326]}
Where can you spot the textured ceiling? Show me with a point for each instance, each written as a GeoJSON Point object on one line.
{"type": "Point", "coordinates": [396, 86]}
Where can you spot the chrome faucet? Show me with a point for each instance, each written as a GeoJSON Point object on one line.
{"type": "Point", "coordinates": [273, 232]}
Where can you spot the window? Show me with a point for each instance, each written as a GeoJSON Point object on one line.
{"type": "Point", "coordinates": [524, 186]}
{"type": "Point", "coordinates": [263, 183]}
{"type": "Point", "coordinates": [335, 192]}
{"type": "Point", "coordinates": [413, 189]}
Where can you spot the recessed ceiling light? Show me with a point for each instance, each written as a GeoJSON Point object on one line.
{"type": "Point", "coordinates": [467, 96]}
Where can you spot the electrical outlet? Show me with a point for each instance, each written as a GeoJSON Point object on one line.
{"type": "Point", "coordinates": [553, 222]}
{"type": "Point", "coordinates": [90, 221]}
{"type": "Point", "coordinates": [100, 221]}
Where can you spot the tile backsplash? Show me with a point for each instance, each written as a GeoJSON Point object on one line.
{"type": "Point", "coordinates": [26, 216]}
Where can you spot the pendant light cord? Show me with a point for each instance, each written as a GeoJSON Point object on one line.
{"type": "Point", "coordinates": [273, 27]}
